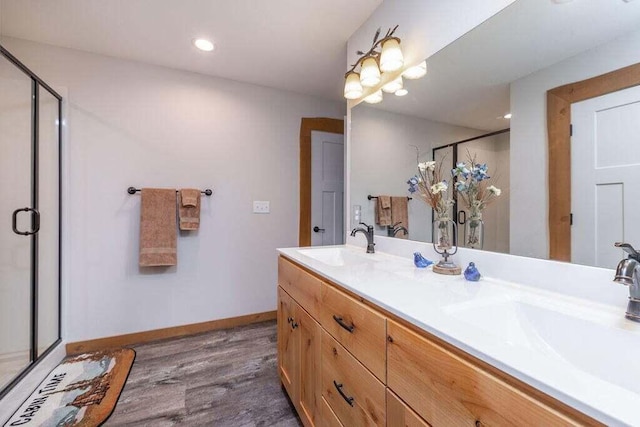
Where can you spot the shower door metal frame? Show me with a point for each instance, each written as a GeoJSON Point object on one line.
{"type": "Point", "coordinates": [36, 84]}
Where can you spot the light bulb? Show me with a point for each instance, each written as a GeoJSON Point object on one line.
{"type": "Point", "coordinates": [401, 92]}
{"type": "Point", "coordinates": [374, 98]}
{"type": "Point", "coordinates": [391, 58]}
{"type": "Point", "coordinates": [203, 44]}
{"type": "Point", "coordinates": [352, 86]}
{"type": "Point", "coordinates": [416, 71]}
{"type": "Point", "coordinates": [393, 86]}
{"type": "Point", "coordinates": [369, 73]}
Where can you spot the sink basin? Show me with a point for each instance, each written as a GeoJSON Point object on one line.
{"type": "Point", "coordinates": [578, 340]}
{"type": "Point", "coordinates": [338, 256]}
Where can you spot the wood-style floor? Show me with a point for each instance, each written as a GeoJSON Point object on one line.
{"type": "Point", "coordinates": [221, 378]}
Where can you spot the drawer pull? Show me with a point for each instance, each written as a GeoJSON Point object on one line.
{"type": "Point", "coordinates": [289, 319]}
{"type": "Point", "coordinates": [294, 325]}
{"type": "Point", "coordinates": [340, 322]}
{"type": "Point", "coordinates": [348, 399]}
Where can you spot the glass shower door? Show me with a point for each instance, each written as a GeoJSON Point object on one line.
{"type": "Point", "coordinates": [16, 250]}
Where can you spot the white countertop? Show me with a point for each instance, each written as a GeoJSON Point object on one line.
{"type": "Point", "coordinates": [581, 352]}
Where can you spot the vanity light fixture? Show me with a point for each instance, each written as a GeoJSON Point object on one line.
{"type": "Point", "coordinates": [352, 87]}
{"type": "Point", "coordinates": [374, 98]}
{"type": "Point", "coordinates": [203, 44]}
{"type": "Point", "coordinates": [385, 54]}
{"type": "Point", "coordinates": [401, 92]}
{"type": "Point", "coordinates": [416, 71]}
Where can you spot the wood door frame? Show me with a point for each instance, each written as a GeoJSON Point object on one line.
{"type": "Point", "coordinates": [308, 125]}
{"type": "Point", "coordinates": [559, 102]}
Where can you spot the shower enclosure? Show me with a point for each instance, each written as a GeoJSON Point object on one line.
{"type": "Point", "coordinates": [30, 142]}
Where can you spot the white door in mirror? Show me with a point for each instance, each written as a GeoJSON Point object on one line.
{"type": "Point", "coordinates": [605, 166]}
{"type": "Point", "coordinates": [327, 188]}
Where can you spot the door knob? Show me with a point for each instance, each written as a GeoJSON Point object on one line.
{"type": "Point", "coordinates": [318, 229]}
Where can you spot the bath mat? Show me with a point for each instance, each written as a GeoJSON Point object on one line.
{"type": "Point", "coordinates": [81, 391]}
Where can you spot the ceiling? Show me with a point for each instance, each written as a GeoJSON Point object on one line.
{"type": "Point", "coordinates": [296, 45]}
{"type": "Point", "coordinates": [468, 81]}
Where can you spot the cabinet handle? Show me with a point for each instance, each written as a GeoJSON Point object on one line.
{"type": "Point", "coordinates": [340, 322]}
{"type": "Point", "coordinates": [348, 399]}
{"type": "Point", "coordinates": [294, 325]}
{"type": "Point", "coordinates": [289, 319]}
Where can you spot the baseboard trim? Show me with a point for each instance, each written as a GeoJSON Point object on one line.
{"type": "Point", "coordinates": [172, 332]}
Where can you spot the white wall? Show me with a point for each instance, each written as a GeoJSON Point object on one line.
{"type": "Point", "coordinates": [425, 27]}
{"type": "Point", "coordinates": [142, 125]}
{"type": "Point", "coordinates": [383, 159]}
{"type": "Point", "coordinates": [529, 195]}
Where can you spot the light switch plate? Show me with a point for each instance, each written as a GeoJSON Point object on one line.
{"type": "Point", "coordinates": [261, 206]}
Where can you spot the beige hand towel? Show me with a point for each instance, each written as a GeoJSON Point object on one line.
{"type": "Point", "coordinates": [400, 214]}
{"type": "Point", "coordinates": [158, 234]}
{"type": "Point", "coordinates": [189, 208]}
{"type": "Point", "coordinates": [383, 210]}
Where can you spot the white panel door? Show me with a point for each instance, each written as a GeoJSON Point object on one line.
{"type": "Point", "coordinates": [327, 188]}
{"type": "Point", "coordinates": [605, 167]}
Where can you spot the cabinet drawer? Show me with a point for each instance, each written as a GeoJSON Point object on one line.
{"type": "Point", "coordinates": [302, 286]}
{"type": "Point", "coordinates": [400, 415]}
{"type": "Point", "coordinates": [447, 390]}
{"type": "Point", "coordinates": [360, 329]}
{"type": "Point", "coordinates": [354, 394]}
{"type": "Point", "coordinates": [329, 418]}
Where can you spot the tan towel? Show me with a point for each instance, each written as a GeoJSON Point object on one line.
{"type": "Point", "coordinates": [158, 233]}
{"type": "Point", "coordinates": [383, 211]}
{"type": "Point", "coordinates": [400, 214]}
{"type": "Point", "coordinates": [189, 208]}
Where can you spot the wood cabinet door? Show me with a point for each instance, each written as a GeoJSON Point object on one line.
{"type": "Point", "coordinates": [310, 336]}
{"type": "Point", "coordinates": [288, 345]}
{"type": "Point", "coordinates": [447, 390]}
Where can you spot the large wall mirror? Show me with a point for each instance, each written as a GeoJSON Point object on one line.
{"type": "Point", "coordinates": [460, 109]}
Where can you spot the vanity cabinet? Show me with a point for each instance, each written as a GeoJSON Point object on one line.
{"type": "Point", "coordinates": [345, 362]}
{"type": "Point", "coordinates": [299, 352]}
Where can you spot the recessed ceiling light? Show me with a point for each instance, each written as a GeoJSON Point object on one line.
{"type": "Point", "coordinates": [401, 92]}
{"type": "Point", "coordinates": [507, 116]}
{"type": "Point", "coordinates": [203, 44]}
{"type": "Point", "coordinates": [561, 1]}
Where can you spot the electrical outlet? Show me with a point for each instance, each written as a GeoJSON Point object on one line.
{"type": "Point", "coordinates": [261, 206]}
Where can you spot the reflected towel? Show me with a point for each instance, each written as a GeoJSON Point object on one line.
{"type": "Point", "coordinates": [189, 208]}
{"type": "Point", "coordinates": [400, 214]}
{"type": "Point", "coordinates": [383, 211]}
{"type": "Point", "coordinates": [158, 234]}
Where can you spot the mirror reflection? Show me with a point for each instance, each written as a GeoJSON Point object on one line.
{"type": "Point", "coordinates": [485, 98]}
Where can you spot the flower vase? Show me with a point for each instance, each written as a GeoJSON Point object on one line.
{"type": "Point", "coordinates": [474, 232]}
{"type": "Point", "coordinates": [443, 233]}
{"type": "Point", "coordinates": [444, 243]}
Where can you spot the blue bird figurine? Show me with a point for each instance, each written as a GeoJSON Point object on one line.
{"type": "Point", "coordinates": [420, 261]}
{"type": "Point", "coordinates": [471, 273]}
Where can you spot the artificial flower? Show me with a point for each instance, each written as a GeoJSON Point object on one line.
{"type": "Point", "coordinates": [494, 190]}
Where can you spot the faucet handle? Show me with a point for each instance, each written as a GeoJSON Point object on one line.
{"type": "Point", "coordinates": [628, 249]}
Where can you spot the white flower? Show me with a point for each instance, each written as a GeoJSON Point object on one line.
{"type": "Point", "coordinates": [439, 187]}
{"type": "Point", "coordinates": [494, 190]}
{"type": "Point", "coordinates": [424, 166]}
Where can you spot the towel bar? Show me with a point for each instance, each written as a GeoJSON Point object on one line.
{"type": "Point", "coordinates": [370, 197]}
{"type": "Point", "coordinates": [133, 190]}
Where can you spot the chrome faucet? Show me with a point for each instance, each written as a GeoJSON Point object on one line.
{"type": "Point", "coordinates": [628, 273]}
{"type": "Point", "coordinates": [367, 232]}
{"type": "Point", "coordinates": [394, 229]}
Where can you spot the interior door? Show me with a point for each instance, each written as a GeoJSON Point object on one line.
{"type": "Point", "coordinates": [605, 166]}
{"type": "Point", "coordinates": [327, 188]}
{"type": "Point", "coordinates": [16, 170]}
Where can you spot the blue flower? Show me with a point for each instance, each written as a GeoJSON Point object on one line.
{"type": "Point", "coordinates": [461, 186]}
{"type": "Point", "coordinates": [413, 184]}
{"type": "Point", "coordinates": [460, 169]}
